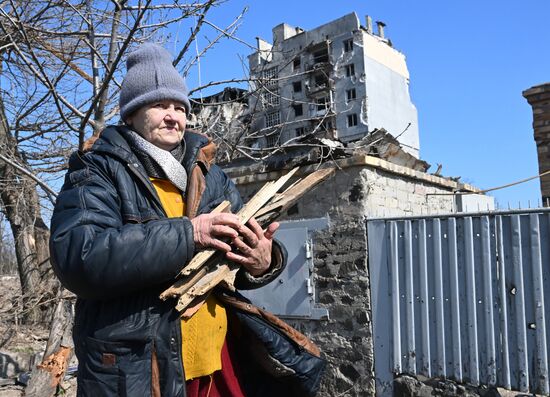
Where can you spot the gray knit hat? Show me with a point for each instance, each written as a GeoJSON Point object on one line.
{"type": "Point", "coordinates": [151, 77]}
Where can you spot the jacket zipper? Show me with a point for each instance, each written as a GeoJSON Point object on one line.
{"type": "Point", "coordinates": [180, 351]}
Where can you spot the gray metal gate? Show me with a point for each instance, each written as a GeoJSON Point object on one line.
{"type": "Point", "coordinates": [292, 294]}
{"type": "Point", "coordinates": [462, 297]}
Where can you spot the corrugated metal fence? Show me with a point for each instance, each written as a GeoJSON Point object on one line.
{"type": "Point", "coordinates": [462, 297]}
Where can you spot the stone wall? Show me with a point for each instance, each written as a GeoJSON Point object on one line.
{"type": "Point", "coordinates": [387, 194]}
{"type": "Point", "coordinates": [361, 188]}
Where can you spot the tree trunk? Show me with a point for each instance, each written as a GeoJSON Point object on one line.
{"type": "Point", "coordinates": [46, 377]}
{"type": "Point", "coordinates": [21, 205]}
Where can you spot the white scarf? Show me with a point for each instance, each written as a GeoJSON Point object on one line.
{"type": "Point", "coordinates": [173, 169]}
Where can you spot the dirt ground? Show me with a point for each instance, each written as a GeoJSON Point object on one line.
{"type": "Point", "coordinates": [14, 336]}
{"type": "Point", "coordinates": [21, 346]}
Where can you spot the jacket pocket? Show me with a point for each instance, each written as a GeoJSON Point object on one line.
{"type": "Point", "coordinates": [114, 368]}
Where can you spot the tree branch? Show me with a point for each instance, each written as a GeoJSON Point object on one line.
{"type": "Point", "coordinates": [28, 173]}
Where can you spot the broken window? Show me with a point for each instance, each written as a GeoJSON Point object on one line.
{"type": "Point", "coordinates": [350, 70]}
{"type": "Point", "coordinates": [352, 120]}
{"type": "Point", "coordinates": [320, 55]}
{"type": "Point", "coordinates": [272, 119]}
{"type": "Point", "coordinates": [351, 94]}
{"type": "Point", "coordinates": [271, 140]}
{"type": "Point", "coordinates": [298, 110]}
{"type": "Point", "coordinates": [348, 45]}
{"type": "Point", "coordinates": [321, 80]}
{"type": "Point", "coordinates": [296, 64]}
{"type": "Point", "coordinates": [297, 86]}
{"type": "Point", "coordinates": [270, 76]}
{"type": "Point", "coordinates": [322, 103]}
{"type": "Point", "coordinates": [271, 98]}
{"type": "Point", "coordinates": [327, 125]}
{"type": "Point", "coordinates": [300, 131]}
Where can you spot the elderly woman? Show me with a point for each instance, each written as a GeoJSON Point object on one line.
{"type": "Point", "coordinates": [134, 208]}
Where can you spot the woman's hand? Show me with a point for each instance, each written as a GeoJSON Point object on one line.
{"type": "Point", "coordinates": [210, 230]}
{"type": "Point", "coordinates": [254, 248]}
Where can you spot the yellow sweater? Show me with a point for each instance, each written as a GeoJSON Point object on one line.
{"type": "Point", "coordinates": [204, 333]}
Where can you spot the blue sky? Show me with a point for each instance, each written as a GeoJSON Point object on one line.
{"type": "Point", "coordinates": [469, 62]}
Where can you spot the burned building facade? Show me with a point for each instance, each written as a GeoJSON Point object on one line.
{"type": "Point", "coordinates": [338, 81]}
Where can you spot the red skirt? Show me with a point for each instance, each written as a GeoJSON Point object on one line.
{"type": "Point", "coordinates": [222, 383]}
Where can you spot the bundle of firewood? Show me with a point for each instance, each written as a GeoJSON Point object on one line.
{"type": "Point", "coordinates": [209, 267]}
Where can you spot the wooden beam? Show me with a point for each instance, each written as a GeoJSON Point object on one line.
{"type": "Point", "coordinates": [209, 268]}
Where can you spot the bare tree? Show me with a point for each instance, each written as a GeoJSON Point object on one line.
{"type": "Point", "coordinates": [62, 66]}
{"type": "Point", "coordinates": [62, 69]}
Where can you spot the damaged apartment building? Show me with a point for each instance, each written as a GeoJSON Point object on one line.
{"type": "Point", "coordinates": [339, 81]}
{"type": "Point", "coordinates": [340, 86]}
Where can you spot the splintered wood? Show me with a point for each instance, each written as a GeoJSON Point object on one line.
{"type": "Point", "coordinates": [209, 267]}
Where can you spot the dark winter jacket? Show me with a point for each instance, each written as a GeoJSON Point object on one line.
{"type": "Point", "coordinates": [113, 246]}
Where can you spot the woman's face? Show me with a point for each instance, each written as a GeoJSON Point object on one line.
{"type": "Point", "coordinates": [162, 123]}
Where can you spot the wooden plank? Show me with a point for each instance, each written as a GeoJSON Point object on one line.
{"type": "Point", "coordinates": [259, 199]}
{"type": "Point", "coordinates": [209, 267]}
{"type": "Point", "coordinates": [262, 197]}
{"type": "Point", "coordinates": [199, 259]}
{"type": "Point", "coordinates": [183, 285]}
{"type": "Point", "coordinates": [221, 273]}
{"type": "Point", "coordinates": [274, 209]}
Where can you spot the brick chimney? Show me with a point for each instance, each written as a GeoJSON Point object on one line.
{"type": "Point", "coordinates": [539, 98]}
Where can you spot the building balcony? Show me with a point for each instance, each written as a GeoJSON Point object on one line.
{"type": "Point", "coordinates": [313, 89]}
{"type": "Point", "coordinates": [315, 66]}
